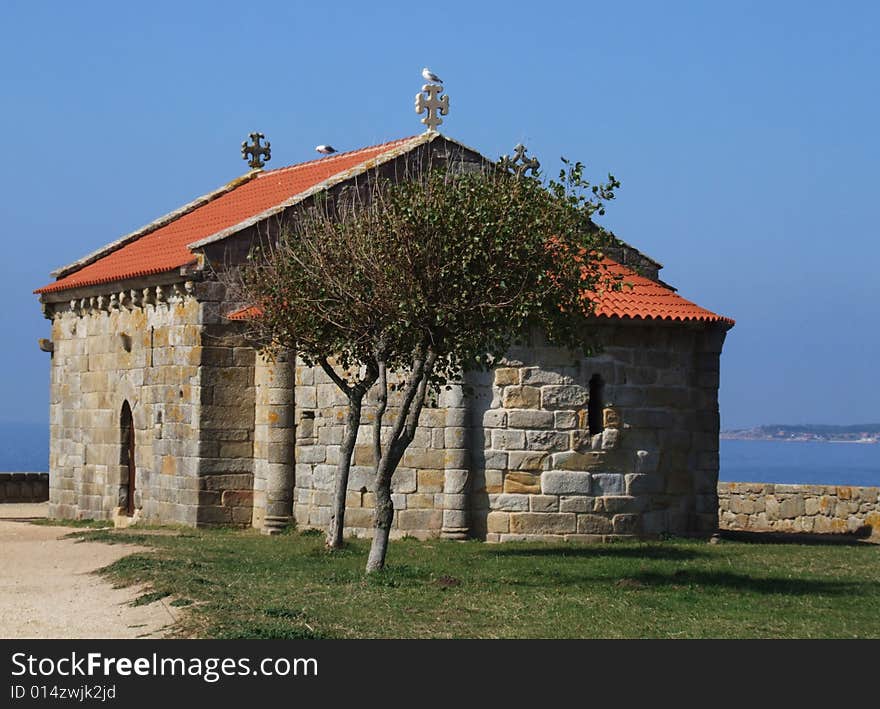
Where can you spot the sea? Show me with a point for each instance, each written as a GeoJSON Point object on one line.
{"type": "Point", "coordinates": [25, 448]}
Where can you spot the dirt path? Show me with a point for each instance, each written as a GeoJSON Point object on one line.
{"type": "Point", "coordinates": [47, 589]}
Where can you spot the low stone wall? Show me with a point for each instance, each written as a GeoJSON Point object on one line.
{"type": "Point", "coordinates": [24, 487]}
{"type": "Point", "coordinates": [817, 509]}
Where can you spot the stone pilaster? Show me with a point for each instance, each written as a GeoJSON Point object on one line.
{"type": "Point", "coordinates": [456, 461]}
{"type": "Point", "coordinates": [274, 443]}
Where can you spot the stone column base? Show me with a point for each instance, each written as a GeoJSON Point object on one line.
{"type": "Point", "coordinates": [455, 533]}
{"type": "Point", "coordinates": [275, 525]}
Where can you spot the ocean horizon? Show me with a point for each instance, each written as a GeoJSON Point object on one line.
{"type": "Point", "coordinates": [24, 447]}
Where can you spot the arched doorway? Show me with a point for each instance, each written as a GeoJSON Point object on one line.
{"type": "Point", "coordinates": [127, 457]}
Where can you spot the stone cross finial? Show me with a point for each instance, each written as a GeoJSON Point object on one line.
{"type": "Point", "coordinates": [519, 163]}
{"type": "Point", "coordinates": [256, 151]}
{"type": "Point", "coordinates": [429, 100]}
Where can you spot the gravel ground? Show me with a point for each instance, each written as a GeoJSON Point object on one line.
{"type": "Point", "coordinates": [48, 590]}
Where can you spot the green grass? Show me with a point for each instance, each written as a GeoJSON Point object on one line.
{"type": "Point", "coordinates": [80, 523]}
{"type": "Point", "coordinates": [242, 584]}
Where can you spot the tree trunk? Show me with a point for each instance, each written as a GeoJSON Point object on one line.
{"type": "Point", "coordinates": [384, 517]}
{"type": "Point", "coordinates": [337, 517]}
{"type": "Point", "coordinates": [401, 436]}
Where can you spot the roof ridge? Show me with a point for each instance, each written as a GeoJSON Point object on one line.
{"type": "Point", "coordinates": [394, 149]}
{"type": "Point", "coordinates": [336, 156]}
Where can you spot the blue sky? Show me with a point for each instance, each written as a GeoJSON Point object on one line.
{"type": "Point", "coordinates": [745, 135]}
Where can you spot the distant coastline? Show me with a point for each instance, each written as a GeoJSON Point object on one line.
{"type": "Point", "coordinates": [824, 433]}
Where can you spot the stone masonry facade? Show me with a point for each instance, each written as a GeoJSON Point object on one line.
{"type": "Point", "coordinates": [515, 459]}
{"type": "Point", "coordinates": [188, 380]}
{"type": "Point", "coordinates": [815, 509]}
{"type": "Point", "coordinates": [549, 445]}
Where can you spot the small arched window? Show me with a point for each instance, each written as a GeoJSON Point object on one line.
{"type": "Point", "coordinates": [596, 405]}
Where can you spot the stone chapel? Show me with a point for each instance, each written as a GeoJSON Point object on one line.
{"type": "Point", "coordinates": [162, 411]}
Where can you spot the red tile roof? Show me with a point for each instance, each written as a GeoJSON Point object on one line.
{"type": "Point", "coordinates": [166, 247]}
{"type": "Point", "coordinates": [640, 298]}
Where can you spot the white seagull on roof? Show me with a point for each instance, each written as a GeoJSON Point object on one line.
{"type": "Point", "coordinates": [429, 75]}
{"type": "Point", "coordinates": [325, 149]}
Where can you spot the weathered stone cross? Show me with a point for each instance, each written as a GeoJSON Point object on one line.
{"type": "Point", "coordinates": [256, 151]}
{"type": "Point", "coordinates": [519, 163]}
{"type": "Point", "coordinates": [433, 102]}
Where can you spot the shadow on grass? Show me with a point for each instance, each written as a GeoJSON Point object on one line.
{"type": "Point", "coordinates": [599, 551]}
{"type": "Point", "coordinates": [741, 582]}
{"type": "Point", "coordinates": [849, 538]}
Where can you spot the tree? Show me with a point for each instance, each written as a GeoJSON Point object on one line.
{"type": "Point", "coordinates": [423, 279]}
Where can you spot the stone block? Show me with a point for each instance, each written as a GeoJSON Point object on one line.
{"type": "Point", "coordinates": [547, 440]}
{"type": "Point", "coordinates": [503, 439]}
{"type": "Point", "coordinates": [563, 397]}
{"type": "Point", "coordinates": [509, 503]}
{"type": "Point", "coordinates": [522, 397]}
{"type": "Point", "coordinates": [359, 517]}
{"type": "Point", "coordinates": [535, 376]}
{"type": "Point", "coordinates": [791, 507]}
{"type": "Point", "coordinates": [451, 502]}
{"type": "Point", "coordinates": [572, 460]}
{"type": "Point", "coordinates": [608, 484]}
{"type": "Point", "coordinates": [563, 420]}
{"type": "Point", "coordinates": [311, 454]}
{"type": "Point", "coordinates": [495, 460]}
{"type": "Point", "coordinates": [456, 482]}
{"type": "Point", "coordinates": [575, 504]}
{"type": "Point", "coordinates": [544, 503]}
{"type": "Point", "coordinates": [626, 523]}
{"type": "Point", "coordinates": [494, 481]}
{"type": "Point", "coordinates": [455, 521]}
{"type": "Point", "coordinates": [565, 483]}
{"type": "Point", "coordinates": [610, 438]}
{"type": "Point", "coordinates": [419, 500]}
{"type": "Point", "coordinates": [424, 458]}
{"type": "Point", "coordinates": [237, 498]}
{"type": "Point", "coordinates": [403, 481]}
{"type": "Point", "coordinates": [543, 523]}
{"type": "Point", "coordinates": [431, 480]}
{"type": "Point", "coordinates": [360, 478]}
{"type": "Point", "coordinates": [456, 458]}
{"type": "Point", "coordinates": [494, 418]}
{"type": "Point", "coordinates": [526, 418]}
{"type": "Point", "coordinates": [498, 522]}
{"type": "Point", "coordinates": [594, 524]}
{"type": "Point", "coordinates": [419, 519]}
{"type": "Point", "coordinates": [639, 484]}
{"type": "Point", "coordinates": [506, 376]}
{"type": "Point", "coordinates": [454, 437]}
{"type": "Point", "coordinates": [527, 460]}
{"type": "Point", "coordinates": [522, 483]}
{"type": "Point", "coordinates": [613, 504]}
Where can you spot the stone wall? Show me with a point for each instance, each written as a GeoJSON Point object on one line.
{"type": "Point", "coordinates": [515, 459]}
{"type": "Point", "coordinates": [428, 486]}
{"type": "Point", "coordinates": [188, 379]}
{"type": "Point", "coordinates": [817, 509]}
{"type": "Point", "coordinates": [24, 487]}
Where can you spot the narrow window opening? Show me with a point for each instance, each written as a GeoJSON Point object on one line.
{"type": "Point", "coordinates": [595, 405]}
{"type": "Point", "coordinates": [127, 458]}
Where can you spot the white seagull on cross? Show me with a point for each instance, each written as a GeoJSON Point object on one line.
{"type": "Point", "coordinates": [429, 75]}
